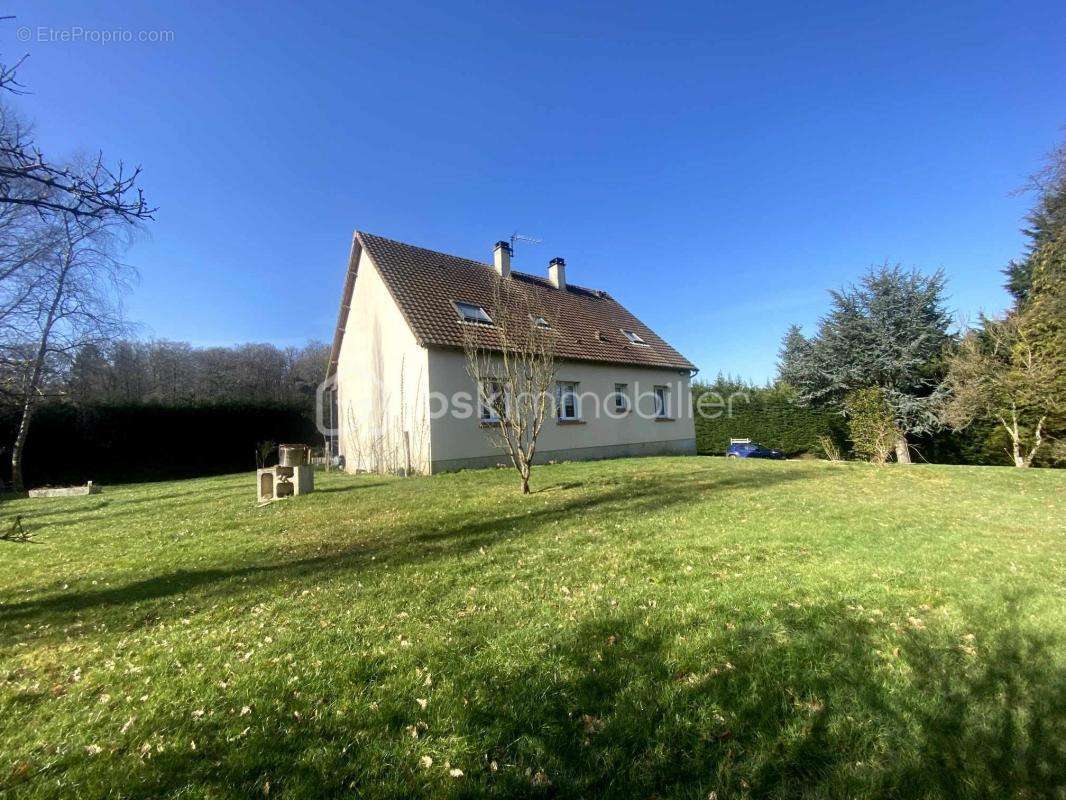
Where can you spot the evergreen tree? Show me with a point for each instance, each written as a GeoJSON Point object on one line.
{"type": "Point", "coordinates": [793, 357]}
{"type": "Point", "coordinates": [1045, 225]}
{"type": "Point", "coordinates": [889, 332]}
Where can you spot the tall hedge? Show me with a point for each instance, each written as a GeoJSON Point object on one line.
{"type": "Point", "coordinates": [70, 444]}
{"type": "Point", "coordinates": [768, 418]}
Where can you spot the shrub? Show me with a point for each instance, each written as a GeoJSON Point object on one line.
{"type": "Point", "coordinates": [873, 431]}
{"type": "Point", "coordinates": [829, 447]}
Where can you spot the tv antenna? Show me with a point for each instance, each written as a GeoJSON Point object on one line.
{"type": "Point", "coordinates": [521, 237]}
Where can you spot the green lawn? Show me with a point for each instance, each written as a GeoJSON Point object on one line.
{"type": "Point", "coordinates": [640, 628]}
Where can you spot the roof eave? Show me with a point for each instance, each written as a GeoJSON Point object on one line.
{"type": "Point", "coordinates": [688, 366]}
{"type": "Point", "coordinates": [346, 300]}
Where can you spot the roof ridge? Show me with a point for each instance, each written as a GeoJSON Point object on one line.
{"type": "Point", "coordinates": [486, 264]}
{"type": "Point", "coordinates": [424, 249]}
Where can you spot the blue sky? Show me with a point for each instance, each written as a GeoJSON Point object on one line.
{"type": "Point", "coordinates": [716, 167]}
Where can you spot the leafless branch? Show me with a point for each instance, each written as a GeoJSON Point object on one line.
{"type": "Point", "coordinates": [90, 191]}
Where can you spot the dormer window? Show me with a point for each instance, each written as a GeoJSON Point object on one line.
{"type": "Point", "coordinates": [540, 322]}
{"type": "Point", "coordinates": [468, 312]}
{"type": "Point", "coordinates": [633, 337]}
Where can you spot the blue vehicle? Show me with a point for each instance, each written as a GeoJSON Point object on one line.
{"type": "Point", "coordinates": [745, 448]}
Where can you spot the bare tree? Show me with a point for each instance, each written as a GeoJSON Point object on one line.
{"type": "Point", "coordinates": [127, 373]}
{"type": "Point", "coordinates": [171, 371]}
{"type": "Point", "coordinates": [76, 301]}
{"type": "Point", "coordinates": [306, 366]}
{"type": "Point", "coordinates": [512, 362]}
{"type": "Point", "coordinates": [996, 373]}
{"type": "Point", "coordinates": [89, 190]}
{"type": "Point", "coordinates": [24, 243]}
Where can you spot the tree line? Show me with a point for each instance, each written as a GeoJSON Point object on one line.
{"type": "Point", "coordinates": [176, 373]}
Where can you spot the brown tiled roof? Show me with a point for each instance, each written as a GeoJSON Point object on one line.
{"type": "Point", "coordinates": [425, 283]}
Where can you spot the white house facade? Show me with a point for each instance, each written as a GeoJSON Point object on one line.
{"type": "Point", "coordinates": [404, 400]}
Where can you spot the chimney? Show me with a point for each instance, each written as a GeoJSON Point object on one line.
{"type": "Point", "coordinates": [557, 273]}
{"type": "Point", "coordinates": [502, 259]}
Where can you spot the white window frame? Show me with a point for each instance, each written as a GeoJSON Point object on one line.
{"type": "Point", "coordinates": [478, 315]}
{"type": "Point", "coordinates": [662, 401]}
{"type": "Point", "coordinates": [560, 392]}
{"type": "Point", "coordinates": [485, 411]}
{"type": "Point", "coordinates": [633, 337]}
{"type": "Point", "coordinates": [621, 398]}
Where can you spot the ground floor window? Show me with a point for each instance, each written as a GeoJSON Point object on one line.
{"type": "Point", "coordinates": [621, 397]}
{"type": "Point", "coordinates": [491, 401]}
{"type": "Point", "coordinates": [662, 402]}
{"type": "Point", "coordinates": [566, 397]}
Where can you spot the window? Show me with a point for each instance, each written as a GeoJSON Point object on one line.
{"type": "Point", "coordinates": [621, 397]}
{"type": "Point", "coordinates": [633, 337]}
{"type": "Point", "coordinates": [566, 396]}
{"type": "Point", "coordinates": [540, 322]}
{"type": "Point", "coordinates": [468, 312]}
{"type": "Point", "coordinates": [662, 402]}
{"type": "Point", "coordinates": [491, 401]}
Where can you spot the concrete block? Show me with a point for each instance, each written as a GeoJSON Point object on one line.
{"type": "Point", "coordinates": [66, 491]}
{"type": "Point", "coordinates": [274, 483]}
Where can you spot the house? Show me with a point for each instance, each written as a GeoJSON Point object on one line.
{"type": "Point", "coordinates": [404, 401]}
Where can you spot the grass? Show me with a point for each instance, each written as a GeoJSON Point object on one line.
{"type": "Point", "coordinates": [654, 627]}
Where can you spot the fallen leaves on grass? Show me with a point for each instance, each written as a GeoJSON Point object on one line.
{"type": "Point", "coordinates": [591, 724]}
{"type": "Point", "coordinates": [416, 730]}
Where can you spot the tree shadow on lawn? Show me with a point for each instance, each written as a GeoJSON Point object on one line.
{"type": "Point", "coordinates": [79, 512]}
{"type": "Point", "coordinates": [823, 714]}
{"type": "Point", "coordinates": [352, 487]}
{"type": "Point", "coordinates": [30, 513]}
{"type": "Point", "coordinates": [168, 502]}
{"type": "Point", "coordinates": [462, 533]}
{"type": "Point", "coordinates": [134, 507]}
{"type": "Point", "coordinates": [623, 707]}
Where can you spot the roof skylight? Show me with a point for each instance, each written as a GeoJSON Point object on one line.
{"type": "Point", "coordinates": [468, 312]}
